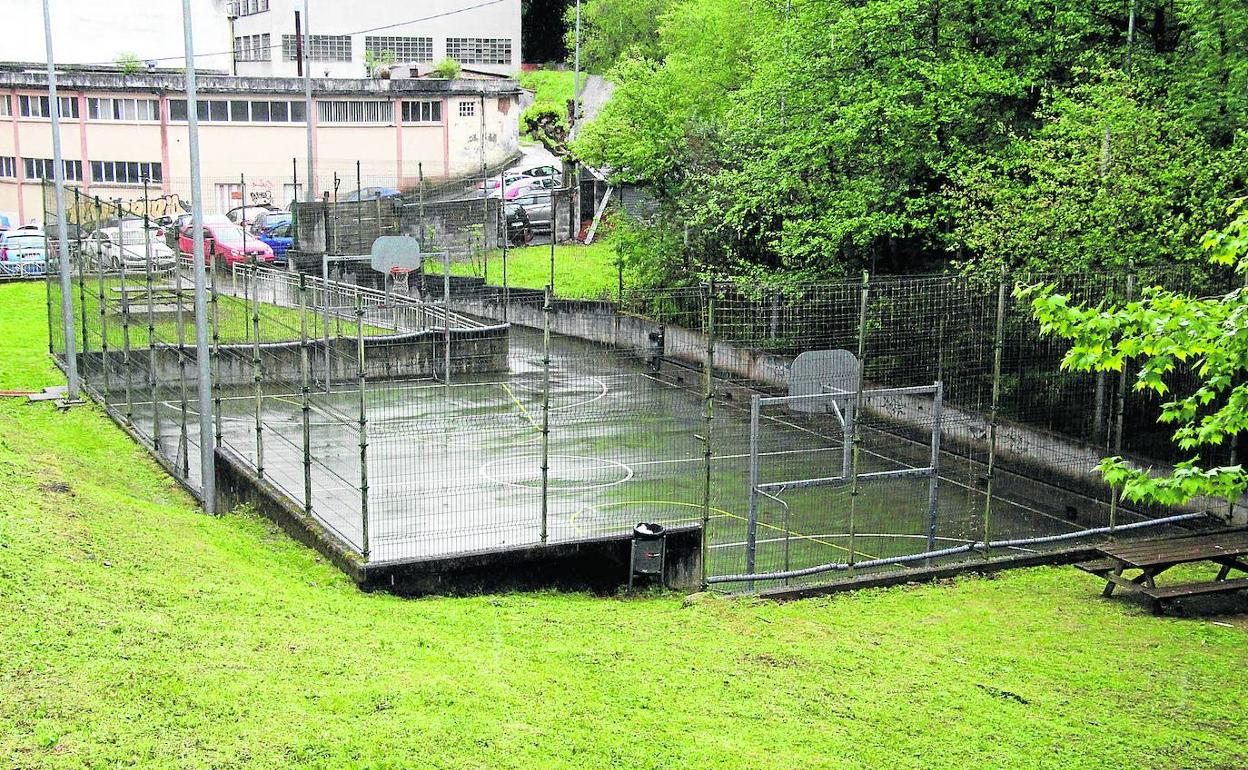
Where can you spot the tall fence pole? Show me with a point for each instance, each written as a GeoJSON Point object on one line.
{"type": "Point", "coordinates": [855, 488]}
{"type": "Point", "coordinates": [305, 387]}
{"type": "Point", "coordinates": [125, 314]}
{"type": "Point", "coordinates": [82, 275]}
{"type": "Point", "coordinates": [998, 345]}
{"type": "Point", "coordinates": [933, 481]}
{"type": "Point", "coordinates": [1120, 408]}
{"type": "Point", "coordinates": [708, 422]}
{"type": "Point", "coordinates": [257, 369]}
{"type": "Point", "coordinates": [151, 317]}
{"type": "Point", "coordinates": [183, 453]}
{"type": "Point", "coordinates": [546, 311]}
{"type": "Point", "coordinates": [47, 272]}
{"type": "Point", "coordinates": [359, 351]}
{"type": "Point", "coordinates": [102, 301]}
{"type": "Point", "coordinates": [751, 525]}
{"type": "Point", "coordinates": [207, 458]}
{"type": "Point", "coordinates": [215, 299]}
{"type": "Point", "coordinates": [554, 235]}
{"type": "Point", "coordinates": [325, 295]}
{"type": "Point", "coordinates": [446, 316]}
{"type": "Point", "coordinates": [62, 229]}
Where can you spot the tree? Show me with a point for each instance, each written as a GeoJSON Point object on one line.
{"type": "Point", "coordinates": [613, 29]}
{"type": "Point", "coordinates": [1163, 333]}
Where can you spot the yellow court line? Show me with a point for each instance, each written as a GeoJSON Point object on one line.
{"type": "Point", "coordinates": [507, 389]}
{"type": "Point", "coordinates": [795, 533]}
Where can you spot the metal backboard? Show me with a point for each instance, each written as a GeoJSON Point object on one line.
{"type": "Point", "coordinates": [832, 372]}
{"type": "Point", "coordinates": [396, 251]}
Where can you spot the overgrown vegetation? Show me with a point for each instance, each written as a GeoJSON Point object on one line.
{"type": "Point", "coordinates": [1164, 333]}
{"type": "Point", "coordinates": [819, 137]}
{"type": "Point", "coordinates": [138, 632]}
{"type": "Point", "coordinates": [546, 120]}
{"type": "Point", "coordinates": [448, 69]}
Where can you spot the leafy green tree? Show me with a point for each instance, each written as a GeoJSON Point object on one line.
{"type": "Point", "coordinates": [613, 29]}
{"type": "Point", "coordinates": [817, 137]}
{"type": "Point", "coordinates": [1159, 335]}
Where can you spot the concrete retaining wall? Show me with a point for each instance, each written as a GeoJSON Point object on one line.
{"type": "Point", "coordinates": [394, 356]}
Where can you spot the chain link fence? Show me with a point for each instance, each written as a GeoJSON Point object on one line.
{"type": "Point", "coordinates": [814, 431]}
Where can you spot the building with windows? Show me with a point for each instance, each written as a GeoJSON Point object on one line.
{"type": "Point", "coordinates": [482, 35]}
{"type": "Point", "coordinates": [120, 131]}
{"type": "Point", "coordinates": [257, 37]}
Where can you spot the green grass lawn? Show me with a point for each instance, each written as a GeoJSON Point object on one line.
{"type": "Point", "coordinates": [581, 272]}
{"type": "Point", "coordinates": [137, 632]}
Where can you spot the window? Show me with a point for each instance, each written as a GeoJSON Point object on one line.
{"type": "Point", "coordinates": [37, 106]}
{"type": "Point", "coordinates": [422, 112]}
{"type": "Point", "coordinates": [123, 109]}
{"type": "Point", "coordinates": [405, 49]}
{"type": "Point", "coordinates": [479, 50]}
{"type": "Point", "coordinates": [42, 168]}
{"type": "Point", "coordinates": [8, 167]}
{"type": "Point", "coordinates": [355, 112]}
{"type": "Point", "coordinates": [320, 48]}
{"type": "Point", "coordinates": [241, 111]}
{"type": "Point", "coordinates": [467, 109]}
{"type": "Point", "coordinates": [6, 107]}
{"type": "Point", "coordinates": [249, 7]}
{"type": "Point", "coordinates": [252, 48]}
{"type": "Point", "coordinates": [121, 172]}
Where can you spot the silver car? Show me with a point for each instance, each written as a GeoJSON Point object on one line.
{"type": "Point", "coordinates": [126, 242]}
{"type": "Point", "coordinates": [536, 206]}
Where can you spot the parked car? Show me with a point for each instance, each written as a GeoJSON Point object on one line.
{"type": "Point", "coordinates": [124, 243]}
{"type": "Point", "coordinates": [371, 194]}
{"type": "Point", "coordinates": [246, 215]}
{"type": "Point", "coordinates": [227, 242]}
{"type": "Point", "coordinates": [279, 238]}
{"type": "Point", "coordinates": [536, 205]}
{"type": "Point", "coordinates": [269, 220]}
{"type": "Point", "coordinates": [540, 171]}
{"type": "Point", "coordinates": [23, 251]}
{"type": "Point", "coordinates": [532, 183]}
{"type": "Point", "coordinates": [519, 228]}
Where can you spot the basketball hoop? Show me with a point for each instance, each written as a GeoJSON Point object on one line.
{"type": "Point", "coordinates": [399, 278]}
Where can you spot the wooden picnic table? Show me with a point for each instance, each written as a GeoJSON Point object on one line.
{"type": "Point", "coordinates": [1156, 555]}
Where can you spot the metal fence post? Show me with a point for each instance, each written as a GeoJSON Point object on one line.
{"type": "Point", "coordinates": [708, 420]}
{"type": "Point", "coordinates": [359, 348]}
{"type": "Point", "coordinates": [325, 313]}
{"type": "Point", "coordinates": [47, 272]}
{"type": "Point", "coordinates": [1122, 380]}
{"type": "Point", "coordinates": [1120, 408]}
{"type": "Point", "coordinates": [933, 483]}
{"type": "Point", "coordinates": [304, 391]}
{"type": "Point", "coordinates": [102, 301]}
{"type": "Point", "coordinates": [82, 278]}
{"type": "Point", "coordinates": [855, 488]}
{"type": "Point", "coordinates": [751, 527]}
{"type": "Point", "coordinates": [184, 446]}
{"type": "Point", "coordinates": [151, 320]}
{"type": "Point", "coordinates": [257, 369]}
{"type": "Point", "coordinates": [125, 314]}
{"type": "Point", "coordinates": [446, 316]}
{"type": "Point", "coordinates": [546, 412]}
{"type": "Point", "coordinates": [215, 306]}
{"type": "Point", "coordinates": [998, 345]}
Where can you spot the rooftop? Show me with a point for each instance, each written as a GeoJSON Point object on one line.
{"type": "Point", "coordinates": [74, 78]}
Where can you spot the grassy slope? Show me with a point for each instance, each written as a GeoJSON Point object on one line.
{"type": "Point", "coordinates": [552, 90]}
{"type": "Point", "coordinates": [137, 632]}
{"type": "Point", "coordinates": [581, 272]}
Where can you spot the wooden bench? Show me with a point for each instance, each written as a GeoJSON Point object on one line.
{"type": "Point", "coordinates": [1154, 556]}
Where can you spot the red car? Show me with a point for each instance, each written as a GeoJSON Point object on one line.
{"type": "Point", "coordinates": [228, 241]}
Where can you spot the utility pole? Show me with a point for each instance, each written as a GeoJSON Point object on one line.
{"type": "Point", "coordinates": [307, 98]}
{"type": "Point", "coordinates": [62, 246]}
{"type": "Point", "coordinates": [207, 458]}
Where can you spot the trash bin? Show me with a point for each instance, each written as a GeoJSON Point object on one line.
{"type": "Point", "coordinates": [649, 547]}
